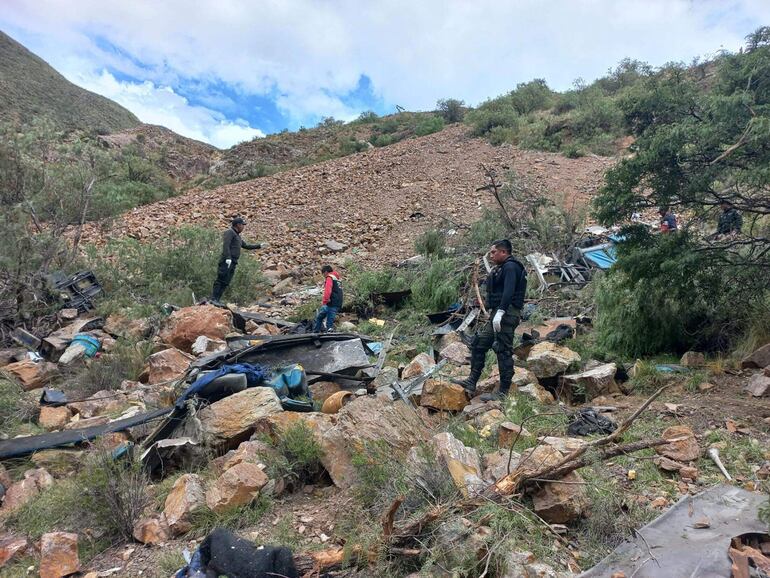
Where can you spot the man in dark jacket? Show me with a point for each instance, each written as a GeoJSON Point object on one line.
{"type": "Point", "coordinates": [331, 302]}
{"type": "Point", "coordinates": [231, 252]}
{"type": "Point", "coordinates": [506, 287]}
{"type": "Point", "coordinates": [730, 221]}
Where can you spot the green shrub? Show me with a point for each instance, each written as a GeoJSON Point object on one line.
{"type": "Point", "coordinates": [431, 243]}
{"type": "Point", "coordinates": [498, 112]}
{"type": "Point", "coordinates": [429, 125]}
{"type": "Point", "coordinates": [438, 287]}
{"type": "Point", "coordinates": [302, 452]}
{"type": "Point", "coordinates": [125, 361]}
{"type": "Point", "coordinates": [15, 408]}
{"type": "Point", "coordinates": [368, 117]}
{"type": "Point", "coordinates": [204, 520]}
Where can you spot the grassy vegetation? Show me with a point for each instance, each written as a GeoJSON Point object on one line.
{"type": "Point", "coordinates": [204, 520]}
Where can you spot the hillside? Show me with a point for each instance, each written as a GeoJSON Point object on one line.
{"type": "Point", "coordinates": [180, 157]}
{"type": "Point", "coordinates": [374, 202]}
{"type": "Point", "coordinates": [30, 88]}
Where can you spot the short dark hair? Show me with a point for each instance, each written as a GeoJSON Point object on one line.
{"type": "Point", "coordinates": [503, 244]}
{"type": "Point", "coordinates": [238, 221]}
{"type": "Point", "coordinates": [326, 269]}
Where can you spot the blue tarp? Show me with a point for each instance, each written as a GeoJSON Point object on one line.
{"type": "Point", "coordinates": [603, 257]}
{"type": "Point", "coordinates": [255, 375]}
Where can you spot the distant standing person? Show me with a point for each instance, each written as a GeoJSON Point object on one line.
{"type": "Point", "coordinates": [231, 252]}
{"type": "Point", "coordinates": [506, 287]}
{"type": "Point", "coordinates": [730, 221]}
{"type": "Point", "coordinates": [667, 220]}
{"type": "Point", "coordinates": [331, 302]}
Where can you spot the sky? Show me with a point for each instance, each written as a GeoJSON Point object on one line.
{"type": "Point", "coordinates": [225, 71]}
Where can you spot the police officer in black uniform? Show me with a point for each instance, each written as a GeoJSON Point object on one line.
{"type": "Point", "coordinates": [506, 287]}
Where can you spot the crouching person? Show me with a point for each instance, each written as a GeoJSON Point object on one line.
{"type": "Point", "coordinates": [506, 287]}
{"type": "Point", "coordinates": [331, 301]}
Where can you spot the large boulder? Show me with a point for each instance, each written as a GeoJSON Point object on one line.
{"type": "Point", "coordinates": [600, 380]}
{"type": "Point", "coordinates": [253, 451]}
{"type": "Point", "coordinates": [184, 326]}
{"type": "Point", "coordinates": [101, 402]}
{"type": "Point", "coordinates": [547, 359]}
{"type": "Point", "coordinates": [58, 462]}
{"type": "Point", "coordinates": [368, 420]}
{"type": "Point", "coordinates": [418, 366]}
{"type": "Point", "coordinates": [496, 464]}
{"type": "Point", "coordinates": [166, 366]}
{"type": "Point", "coordinates": [232, 420]}
{"type": "Point", "coordinates": [461, 462]}
{"type": "Point", "coordinates": [238, 486]}
{"type": "Point", "coordinates": [29, 374]}
{"type": "Point", "coordinates": [12, 547]}
{"type": "Point", "coordinates": [443, 395]}
{"type": "Point", "coordinates": [683, 447]}
{"type": "Point", "coordinates": [693, 359]}
{"type": "Point", "coordinates": [24, 490]}
{"type": "Point", "coordinates": [523, 376]}
{"type": "Point", "coordinates": [758, 385]}
{"type": "Point", "coordinates": [186, 496]}
{"type": "Point", "coordinates": [54, 418]}
{"type": "Point", "coordinates": [561, 501]}
{"type": "Point", "coordinates": [458, 353]}
{"type": "Point", "coordinates": [759, 359]}
{"type": "Point", "coordinates": [121, 326]}
{"type": "Point", "coordinates": [58, 555]}
{"type": "Point", "coordinates": [538, 393]}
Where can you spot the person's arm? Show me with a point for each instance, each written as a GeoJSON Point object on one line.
{"type": "Point", "coordinates": [738, 222]}
{"type": "Point", "coordinates": [327, 291]}
{"type": "Point", "coordinates": [250, 246]}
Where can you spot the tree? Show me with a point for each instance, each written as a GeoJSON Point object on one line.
{"type": "Point", "coordinates": [451, 109]}
{"type": "Point", "coordinates": [695, 148]}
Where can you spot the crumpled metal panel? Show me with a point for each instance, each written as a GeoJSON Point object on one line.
{"type": "Point", "coordinates": [673, 548]}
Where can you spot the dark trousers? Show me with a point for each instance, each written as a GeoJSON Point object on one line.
{"type": "Point", "coordinates": [482, 342]}
{"type": "Point", "coordinates": [224, 276]}
{"type": "Point", "coordinates": [325, 313]}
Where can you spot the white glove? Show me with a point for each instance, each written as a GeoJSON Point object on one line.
{"type": "Point", "coordinates": [497, 320]}
{"type": "Point", "coordinates": [228, 262]}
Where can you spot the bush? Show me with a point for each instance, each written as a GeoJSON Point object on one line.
{"type": "Point", "coordinates": [498, 112]}
{"type": "Point", "coordinates": [368, 117]}
{"type": "Point", "coordinates": [298, 445]}
{"type": "Point", "coordinates": [431, 243]}
{"type": "Point", "coordinates": [438, 287]}
{"type": "Point", "coordinates": [451, 109]}
{"type": "Point", "coordinates": [107, 372]}
{"type": "Point", "coordinates": [15, 408]}
{"type": "Point", "coordinates": [429, 125]}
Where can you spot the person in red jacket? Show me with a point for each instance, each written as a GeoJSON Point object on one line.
{"type": "Point", "coordinates": [331, 301]}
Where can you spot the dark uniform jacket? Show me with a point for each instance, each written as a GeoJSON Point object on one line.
{"type": "Point", "coordinates": [729, 221]}
{"type": "Point", "coordinates": [232, 244]}
{"type": "Point", "coordinates": [506, 286]}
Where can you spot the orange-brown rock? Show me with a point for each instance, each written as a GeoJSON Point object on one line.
{"type": "Point", "coordinates": [152, 530]}
{"type": "Point", "coordinates": [443, 395]}
{"type": "Point", "coordinates": [561, 501]}
{"type": "Point", "coordinates": [685, 447]}
{"type": "Point", "coordinates": [31, 375]}
{"type": "Point", "coordinates": [167, 365]}
{"type": "Point", "coordinates": [101, 402]}
{"type": "Point", "coordinates": [121, 326]}
{"type": "Point", "coordinates": [184, 326]}
{"type": "Point", "coordinates": [53, 418]}
{"type": "Point", "coordinates": [58, 555]}
{"type": "Point", "coordinates": [186, 496]}
{"type": "Point", "coordinates": [232, 419]}
{"type": "Point", "coordinates": [11, 547]}
{"type": "Point", "coordinates": [254, 451]}
{"type": "Point", "coordinates": [21, 492]}
{"type": "Point", "coordinates": [238, 486]}
{"type": "Point", "coordinates": [418, 366]}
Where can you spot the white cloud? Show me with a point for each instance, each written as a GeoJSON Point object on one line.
{"type": "Point", "coordinates": [311, 53]}
{"type": "Point", "coordinates": [161, 105]}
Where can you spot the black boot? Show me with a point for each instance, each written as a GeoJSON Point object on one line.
{"type": "Point", "coordinates": [505, 365]}
{"type": "Point", "coordinates": [469, 383]}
